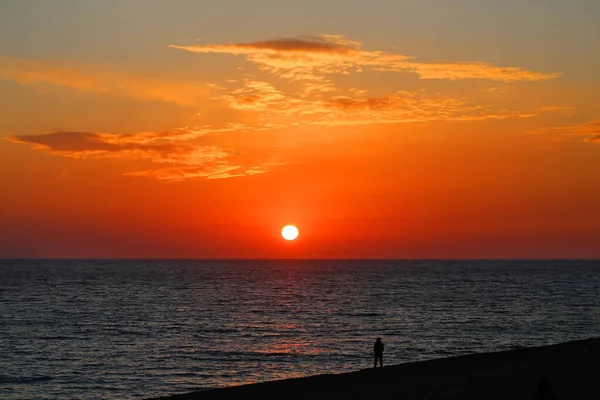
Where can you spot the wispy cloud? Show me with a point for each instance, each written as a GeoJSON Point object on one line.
{"type": "Point", "coordinates": [275, 108]}
{"type": "Point", "coordinates": [587, 131]}
{"type": "Point", "coordinates": [594, 139]}
{"type": "Point", "coordinates": [173, 148]}
{"type": "Point", "coordinates": [104, 145]}
{"type": "Point", "coordinates": [215, 170]}
{"type": "Point", "coordinates": [590, 131]}
{"type": "Point", "coordinates": [308, 60]}
{"type": "Point", "coordinates": [90, 80]}
{"type": "Point", "coordinates": [310, 63]}
{"type": "Point", "coordinates": [409, 107]}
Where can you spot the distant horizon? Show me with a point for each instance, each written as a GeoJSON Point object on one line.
{"type": "Point", "coordinates": [296, 259]}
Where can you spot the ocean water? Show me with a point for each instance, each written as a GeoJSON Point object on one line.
{"type": "Point", "coordinates": [85, 329]}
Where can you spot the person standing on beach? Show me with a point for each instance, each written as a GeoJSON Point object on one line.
{"type": "Point", "coordinates": [378, 352]}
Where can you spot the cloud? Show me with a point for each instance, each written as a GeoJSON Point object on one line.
{"type": "Point", "coordinates": [210, 171]}
{"type": "Point", "coordinates": [470, 70]}
{"type": "Point", "coordinates": [297, 45]}
{"type": "Point", "coordinates": [307, 60]}
{"type": "Point", "coordinates": [255, 96]}
{"type": "Point", "coordinates": [104, 145]}
{"type": "Point", "coordinates": [90, 80]}
{"type": "Point", "coordinates": [588, 128]}
{"type": "Point", "coordinates": [589, 131]}
{"type": "Point", "coordinates": [403, 107]}
{"type": "Point", "coordinates": [593, 139]}
{"type": "Point", "coordinates": [310, 62]}
{"type": "Point", "coordinates": [216, 170]}
{"type": "Point", "coordinates": [185, 160]}
{"type": "Point", "coordinates": [186, 156]}
{"type": "Point", "coordinates": [276, 109]}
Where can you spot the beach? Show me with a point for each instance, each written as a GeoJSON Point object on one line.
{"type": "Point", "coordinates": [572, 370]}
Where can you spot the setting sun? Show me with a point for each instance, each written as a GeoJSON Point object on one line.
{"type": "Point", "coordinates": [289, 232]}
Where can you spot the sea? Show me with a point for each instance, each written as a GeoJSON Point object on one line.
{"type": "Point", "coordinates": [133, 329]}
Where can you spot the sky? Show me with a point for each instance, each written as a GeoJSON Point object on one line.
{"type": "Point", "coordinates": [381, 129]}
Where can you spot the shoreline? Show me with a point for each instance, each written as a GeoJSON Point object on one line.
{"type": "Point", "coordinates": [571, 368]}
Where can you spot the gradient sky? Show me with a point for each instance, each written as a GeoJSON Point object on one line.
{"type": "Point", "coordinates": [382, 129]}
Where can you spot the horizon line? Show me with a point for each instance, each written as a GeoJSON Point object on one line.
{"type": "Point", "coordinates": [300, 259]}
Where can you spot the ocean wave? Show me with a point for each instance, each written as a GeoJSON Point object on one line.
{"type": "Point", "coordinates": [58, 337]}
{"type": "Point", "coordinates": [359, 314]}
{"type": "Point", "coordinates": [21, 380]}
{"type": "Point", "coordinates": [216, 330]}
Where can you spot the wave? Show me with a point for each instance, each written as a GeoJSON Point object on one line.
{"type": "Point", "coordinates": [59, 337]}
{"type": "Point", "coordinates": [22, 380]}
{"type": "Point", "coordinates": [216, 330]}
{"type": "Point", "coordinates": [359, 314]}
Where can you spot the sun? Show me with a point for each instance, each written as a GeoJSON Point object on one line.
{"type": "Point", "coordinates": [289, 232]}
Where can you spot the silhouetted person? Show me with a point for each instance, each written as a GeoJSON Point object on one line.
{"type": "Point", "coordinates": [378, 353]}
{"type": "Point", "coordinates": [544, 392]}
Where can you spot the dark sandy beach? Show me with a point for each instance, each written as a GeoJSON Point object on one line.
{"type": "Point", "coordinates": [572, 369]}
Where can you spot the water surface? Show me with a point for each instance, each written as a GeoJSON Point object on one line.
{"type": "Point", "coordinates": [132, 329]}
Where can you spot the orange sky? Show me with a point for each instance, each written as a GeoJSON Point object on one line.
{"type": "Point", "coordinates": [378, 148]}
